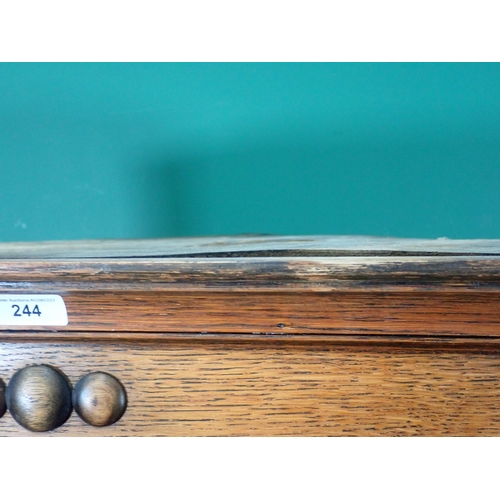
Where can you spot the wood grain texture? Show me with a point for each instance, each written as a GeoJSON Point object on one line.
{"type": "Point", "coordinates": [271, 388]}
{"type": "Point", "coordinates": [38, 397]}
{"type": "Point", "coordinates": [395, 295]}
{"type": "Point", "coordinates": [248, 273]}
{"type": "Point", "coordinates": [99, 399]}
{"type": "Point", "coordinates": [381, 313]}
{"type": "Point", "coordinates": [319, 285]}
{"type": "Point", "coordinates": [265, 336]}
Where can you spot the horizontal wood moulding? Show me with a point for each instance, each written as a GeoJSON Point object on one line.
{"type": "Point", "coordinates": [249, 273]}
{"type": "Point", "coordinates": [263, 285]}
{"type": "Point", "coordinates": [319, 313]}
{"type": "Point", "coordinates": [277, 388]}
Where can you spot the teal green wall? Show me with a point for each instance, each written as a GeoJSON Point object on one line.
{"type": "Point", "coordinates": [151, 150]}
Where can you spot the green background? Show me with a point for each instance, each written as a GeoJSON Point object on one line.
{"type": "Point", "coordinates": [152, 150]}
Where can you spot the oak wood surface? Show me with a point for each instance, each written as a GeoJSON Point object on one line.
{"type": "Point", "coordinates": [224, 388]}
{"type": "Point", "coordinates": [248, 273]}
{"type": "Point", "coordinates": [38, 397]}
{"type": "Point", "coordinates": [382, 313]}
{"type": "Point", "coordinates": [393, 295]}
{"type": "Point", "coordinates": [99, 399]}
{"type": "Point", "coordinates": [270, 335]}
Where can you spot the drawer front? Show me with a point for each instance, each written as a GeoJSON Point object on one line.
{"type": "Point", "coordinates": [271, 388]}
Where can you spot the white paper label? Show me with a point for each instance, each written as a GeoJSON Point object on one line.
{"type": "Point", "coordinates": [32, 310]}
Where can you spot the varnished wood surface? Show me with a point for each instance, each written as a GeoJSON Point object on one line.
{"type": "Point", "coordinates": [393, 295]}
{"type": "Point", "coordinates": [38, 397]}
{"type": "Point", "coordinates": [270, 336]}
{"type": "Point", "coordinates": [229, 388]}
{"type": "Point", "coordinates": [99, 399]}
{"type": "Point", "coordinates": [353, 285]}
{"type": "Point", "coordinates": [380, 313]}
{"type": "Point", "coordinates": [398, 273]}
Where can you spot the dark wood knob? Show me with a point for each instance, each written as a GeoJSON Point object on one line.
{"type": "Point", "coordinates": [39, 398]}
{"type": "Point", "coordinates": [99, 399]}
{"type": "Point", "coordinates": [3, 406]}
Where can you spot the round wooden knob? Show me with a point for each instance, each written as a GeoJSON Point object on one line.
{"type": "Point", "coordinates": [99, 399]}
{"type": "Point", "coordinates": [3, 406]}
{"type": "Point", "coordinates": [39, 398]}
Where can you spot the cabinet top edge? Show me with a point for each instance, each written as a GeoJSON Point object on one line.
{"type": "Point", "coordinates": [248, 246]}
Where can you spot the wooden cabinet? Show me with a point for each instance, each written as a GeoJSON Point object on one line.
{"type": "Point", "coordinates": [318, 336]}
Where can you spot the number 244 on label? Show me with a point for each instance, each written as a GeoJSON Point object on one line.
{"type": "Point", "coordinates": [26, 310]}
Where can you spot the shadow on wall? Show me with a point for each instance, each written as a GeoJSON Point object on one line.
{"type": "Point", "coordinates": [426, 189]}
{"type": "Point", "coordinates": [162, 192]}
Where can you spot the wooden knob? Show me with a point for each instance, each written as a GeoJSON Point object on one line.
{"type": "Point", "coordinates": [99, 399]}
{"type": "Point", "coordinates": [39, 398]}
{"type": "Point", "coordinates": [3, 406]}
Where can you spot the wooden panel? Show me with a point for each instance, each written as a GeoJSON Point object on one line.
{"type": "Point", "coordinates": [246, 274]}
{"type": "Point", "coordinates": [456, 314]}
{"type": "Point", "coordinates": [230, 388]}
{"type": "Point", "coordinates": [379, 295]}
{"type": "Point", "coordinates": [270, 335]}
